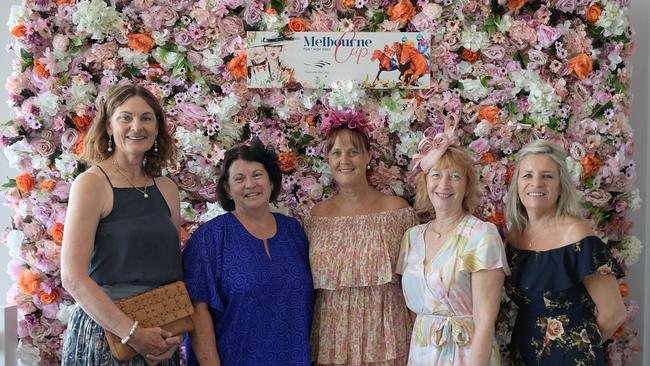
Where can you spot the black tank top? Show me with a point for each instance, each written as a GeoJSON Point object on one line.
{"type": "Point", "coordinates": [137, 245]}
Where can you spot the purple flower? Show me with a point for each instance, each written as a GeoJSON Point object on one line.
{"type": "Point", "coordinates": [349, 118]}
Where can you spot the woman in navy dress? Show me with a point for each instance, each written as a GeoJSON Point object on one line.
{"type": "Point", "coordinates": [247, 272]}
{"type": "Point", "coordinates": [563, 276]}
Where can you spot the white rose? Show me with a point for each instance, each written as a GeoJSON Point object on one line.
{"type": "Point", "coordinates": [48, 104]}
{"type": "Point", "coordinates": [14, 241]}
{"type": "Point", "coordinates": [132, 58]}
{"type": "Point", "coordinates": [474, 39]}
{"type": "Point", "coordinates": [432, 11]}
{"type": "Point", "coordinates": [613, 20]}
{"type": "Point", "coordinates": [473, 89]}
{"type": "Point", "coordinates": [575, 169]}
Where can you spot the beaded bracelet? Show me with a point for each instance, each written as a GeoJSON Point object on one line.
{"type": "Point", "coordinates": [126, 339]}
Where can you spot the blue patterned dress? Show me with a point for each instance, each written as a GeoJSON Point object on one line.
{"type": "Point", "coordinates": [261, 306]}
{"type": "Point", "coordinates": [556, 324]}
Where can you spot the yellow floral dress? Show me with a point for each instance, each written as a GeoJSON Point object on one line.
{"type": "Point", "coordinates": [440, 291]}
{"type": "Point", "coordinates": [360, 317]}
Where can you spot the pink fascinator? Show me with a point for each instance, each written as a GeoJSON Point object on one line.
{"type": "Point", "coordinates": [352, 119]}
{"type": "Point", "coordinates": [430, 150]}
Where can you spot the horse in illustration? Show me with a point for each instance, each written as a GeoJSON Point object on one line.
{"type": "Point", "coordinates": [418, 64]}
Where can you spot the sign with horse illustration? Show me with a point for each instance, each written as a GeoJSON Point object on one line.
{"type": "Point", "coordinates": [317, 59]}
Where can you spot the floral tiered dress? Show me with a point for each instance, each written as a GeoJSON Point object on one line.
{"type": "Point", "coordinates": [555, 323]}
{"type": "Point", "coordinates": [360, 317]}
{"type": "Point", "coordinates": [440, 291]}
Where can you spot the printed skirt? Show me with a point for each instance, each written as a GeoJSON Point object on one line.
{"type": "Point", "coordinates": [85, 344]}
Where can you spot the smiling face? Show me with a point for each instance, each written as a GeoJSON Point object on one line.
{"type": "Point", "coordinates": [538, 183]}
{"type": "Point", "coordinates": [446, 187]}
{"type": "Point", "coordinates": [134, 126]}
{"type": "Point", "coordinates": [347, 160]}
{"type": "Point", "coordinates": [249, 185]}
{"type": "Point", "coordinates": [273, 52]}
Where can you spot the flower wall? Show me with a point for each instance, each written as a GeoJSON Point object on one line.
{"type": "Point", "coordinates": [508, 70]}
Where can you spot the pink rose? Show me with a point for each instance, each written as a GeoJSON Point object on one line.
{"type": "Point", "coordinates": [34, 231]}
{"type": "Point", "coordinates": [194, 57]}
{"type": "Point", "coordinates": [143, 4]}
{"type": "Point", "coordinates": [201, 44]}
{"type": "Point", "coordinates": [69, 138]}
{"type": "Point", "coordinates": [231, 26]}
{"type": "Point", "coordinates": [16, 82]}
{"type": "Point", "coordinates": [493, 52]}
{"type": "Point", "coordinates": [201, 16]}
{"type": "Point", "coordinates": [61, 190]}
{"type": "Point", "coordinates": [188, 182]}
{"type": "Point", "coordinates": [168, 16]}
{"type": "Point", "coordinates": [522, 34]}
{"type": "Point", "coordinates": [43, 147]}
{"type": "Point", "coordinates": [547, 35]}
{"type": "Point", "coordinates": [480, 146]}
{"type": "Point", "coordinates": [598, 197]}
{"type": "Point", "coordinates": [321, 22]}
{"type": "Point", "coordinates": [432, 11]}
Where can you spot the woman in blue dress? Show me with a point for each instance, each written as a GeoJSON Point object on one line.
{"type": "Point", "coordinates": [563, 277]}
{"type": "Point", "coordinates": [248, 273]}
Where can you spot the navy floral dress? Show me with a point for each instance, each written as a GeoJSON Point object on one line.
{"type": "Point", "coordinates": [556, 322]}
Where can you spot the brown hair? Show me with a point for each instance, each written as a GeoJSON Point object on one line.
{"type": "Point", "coordinates": [454, 157]}
{"type": "Point", "coordinates": [96, 141]}
{"type": "Point", "coordinates": [358, 139]}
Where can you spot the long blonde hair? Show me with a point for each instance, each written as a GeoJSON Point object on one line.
{"type": "Point", "coordinates": [567, 204]}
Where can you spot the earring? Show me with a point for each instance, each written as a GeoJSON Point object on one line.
{"type": "Point", "coordinates": [155, 146]}
{"type": "Point", "coordinates": [144, 161]}
{"type": "Point", "coordinates": [110, 143]}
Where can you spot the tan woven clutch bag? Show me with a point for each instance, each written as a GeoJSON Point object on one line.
{"type": "Point", "coordinates": [168, 307]}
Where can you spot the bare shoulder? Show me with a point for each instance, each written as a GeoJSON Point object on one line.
{"type": "Point", "coordinates": [512, 238]}
{"type": "Point", "coordinates": [389, 202]}
{"type": "Point", "coordinates": [575, 229]}
{"type": "Point", "coordinates": [166, 184]}
{"type": "Point", "coordinates": [90, 180]}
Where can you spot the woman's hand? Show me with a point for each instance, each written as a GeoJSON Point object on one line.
{"type": "Point", "coordinates": [154, 343]}
{"type": "Point", "coordinates": [174, 342]}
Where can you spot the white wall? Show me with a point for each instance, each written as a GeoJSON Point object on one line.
{"type": "Point", "coordinates": [640, 17]}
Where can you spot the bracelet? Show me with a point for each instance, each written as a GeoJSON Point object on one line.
{"type": "Point", "coordinates": [126, 339]}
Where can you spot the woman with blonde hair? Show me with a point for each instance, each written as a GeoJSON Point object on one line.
{"type": "Point", "coordinates": [453, 266]}
{"type": "Point", "coordinates": [563, 276]}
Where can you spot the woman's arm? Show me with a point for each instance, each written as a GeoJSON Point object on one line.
{"type": "Point", "coordinates": [604, 291]}
{"type": "Point", "coordinates": [83, 215]}
{"type": "Point", "coordinates": [202, 338]}
{"type": "Point", "coordinates": [486, 295]}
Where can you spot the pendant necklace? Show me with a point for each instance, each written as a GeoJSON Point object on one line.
{"type": "Point", "coordinates": [439, 235]}
{"type": "Point", "coordinates": [119, 170]}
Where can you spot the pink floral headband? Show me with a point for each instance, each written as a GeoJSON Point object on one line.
{"type": "Point", "coordinates": [349, 118]}
{"type": "Point", "coordinates": [430, 150]}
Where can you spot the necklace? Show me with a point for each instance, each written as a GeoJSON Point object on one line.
{"type": "Point", "coordinates": [441, 233]}
{"type": "Point", "coordinates": [530, 243]}
{"type": "Point", "coordinates": [119, 170]}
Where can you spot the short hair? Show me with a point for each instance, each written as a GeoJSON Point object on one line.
{"type": "Point", "coordinates": [257, 152]}
{"type": "Point", "coordinates": [454, 157]}
{"type": "Point", "coordinates": [568, 203]}
{"type": "Point", "coordinates": [96, 140]}
{"type": "Point", "coordinates": [358, 139]}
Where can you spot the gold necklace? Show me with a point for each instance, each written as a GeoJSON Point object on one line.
{"type": "Point", "coordinates": [530, 243]}
{"type": "Point", "coordinates": [441, 233]}
{"type": "Point", "coordinates": [119, 170]}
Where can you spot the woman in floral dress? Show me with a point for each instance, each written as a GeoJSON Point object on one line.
{"type": "Point", "coordinates": [453, 266]}
{"type": "Point", "coordinates": [563, 276]}
{"type": "Point", "coordinates": [360, 317]}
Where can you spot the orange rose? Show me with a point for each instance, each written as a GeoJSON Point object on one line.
{"type": "Point", "coordinates": [57, 233]}
{"type": "Point", "coordinates": [497, 219]}
{"type": "Point", "coordinates": [47, 184]}
{"type": "Point", "coordinates": [581, 65]}
{"type": "Point", "coordinates": [287, 161]}
{"type": "Point", "coordinates": [25, 182]}
{"type": "Point", "coordinates": [297, 25]}
{"type": "Point", "coordinates": [64, 2]}
{"type": "Point", "coordinates": [79, 146]}
{"type": "Point", "coordinates": [593, 13]}
{"type": "Point", "coordinates": [28, 282]}
{"type": "Point", "coordinates": [470, 56]}
{"type": "Point", "coordinates": [48, 298]}
{"type": "Point", "coordinates": [82, 122]}
{"type": "Point", "coordinates": [488, 113]}
{"type": "Point", "coordinates": [350, 4]}
{"type": "Point", "coordinates": [624, 289]}
{"type": "Point", "coordinates": [590, 164]}
{"type": "Point", "coordinates": [184, 234]}
{"type": "Point", "coordinates": [237, 66]}
{"type": "Point", "coordinates": [270, 11]}
{"type": "Point", "coordinates": [515, 4]}
{"type": "Point", "coordinates": [619, 332]}
{"type": "Point", "coordinates": [403, 11]}
{"type": "Point", "coordinates": [310, 120]}
{"type": "Point", "coordinates": [487, 158]}
{"type": "Point", "coordinates": [40, 70]}
{"type": "Point", "coordinates": [19, 30]}
{"type": "Point", "coordinates": [141, 42]}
